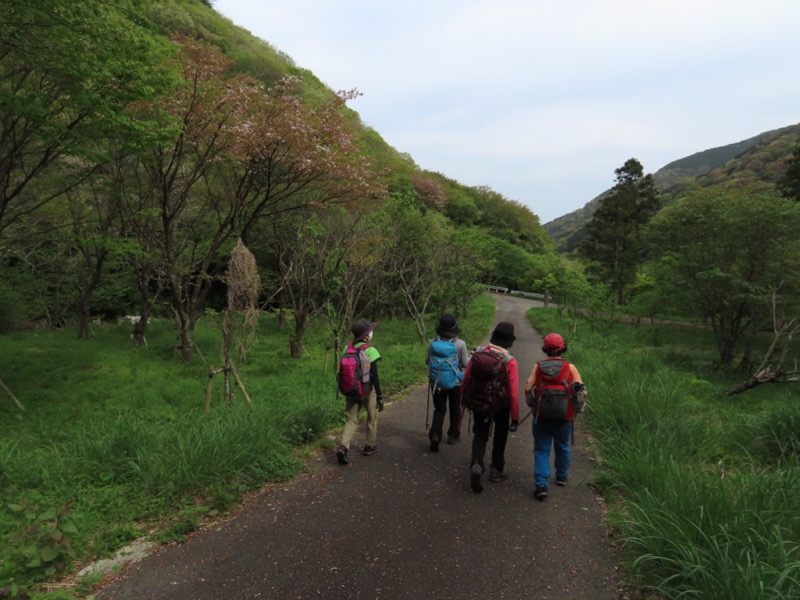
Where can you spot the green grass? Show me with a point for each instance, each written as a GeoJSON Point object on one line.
{"type": "Point", "coordinates": [116, 438]}
{"type": "Point", "coordinates": [704, 488]}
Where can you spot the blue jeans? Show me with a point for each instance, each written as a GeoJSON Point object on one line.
{"type": "Point", "coordinates": [547, 436]}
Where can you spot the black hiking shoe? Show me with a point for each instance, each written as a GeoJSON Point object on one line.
{"type": "Point", "coordinates": [562, 481]}
{"type": "Point", "coordinates": [496, 475]}
{"type": "Point", "coordinates": [368, 450]}
{"type": "Point", "coordinates": [341, 455]}
{"type": "Point", "coordinates": [434, 444]}
{"type": "Point", "coordinates": [540, 492]}
{"type": "Point", "coordinates": [475, 478]}
{"type": "Point", "coordinates": [453, 440]}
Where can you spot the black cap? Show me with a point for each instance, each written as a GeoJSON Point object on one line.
{"type": "Point", "coordinates": [503, 335]}
{"type": "Point", "coordinates": [447, 326]}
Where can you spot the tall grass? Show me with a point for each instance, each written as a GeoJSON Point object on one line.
{"type": "Point", "coordinates": [705, 488]}
{"type": "Point", "coordinates": [120, 435]}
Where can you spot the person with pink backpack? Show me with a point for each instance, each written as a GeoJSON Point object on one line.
{"type": "Point", "coordinates": [357, 376]}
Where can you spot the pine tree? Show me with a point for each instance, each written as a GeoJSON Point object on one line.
{"type": "Point", "coordinates": [613, 242]}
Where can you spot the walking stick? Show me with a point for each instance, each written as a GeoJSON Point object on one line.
{"type": "Point", "coordinates": [428, 407]}
{"type": "Point", "coordinates": [530, 412]}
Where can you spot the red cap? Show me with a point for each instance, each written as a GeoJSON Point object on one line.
{"type": "Point", "coordinates": [553, 343]}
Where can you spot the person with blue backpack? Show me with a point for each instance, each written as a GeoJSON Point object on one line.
{"type": "Point", "coordinates": [446, 359]}
{"type": "Point", "coordinates": [356, 378]}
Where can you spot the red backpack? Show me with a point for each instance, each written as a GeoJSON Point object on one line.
{"type": "Point", "coordinates": [353, 376]}
{"type": "Point", "coordinates": [554, 395]}
{"type": "Point", "coordinates": [486, 386]}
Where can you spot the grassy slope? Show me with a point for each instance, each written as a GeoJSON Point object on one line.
{"type": "Point", "coordinates": [705, 487]}
{"type": "Point", "coordinates": [120, 436]}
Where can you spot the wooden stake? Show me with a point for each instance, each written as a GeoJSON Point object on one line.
{"type": "Point", "coordinates": [241, 386]}
{"type": "Point", "coordinates": [209, 384]}
{"type": "Point", "coordinates": [11, 395]}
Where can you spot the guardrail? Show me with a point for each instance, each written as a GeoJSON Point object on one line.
{"type": "Point", "coordinates": [504, 290]}
{"type": "Point", "coordinates": [527, 294]}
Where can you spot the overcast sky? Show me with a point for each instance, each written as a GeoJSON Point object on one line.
{"type": "Point", "coordinates": [542, 99]}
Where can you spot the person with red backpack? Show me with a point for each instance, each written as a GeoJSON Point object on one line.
{"type": "Point", "coordinates": [446, 359]}
{"type": "Point", "coordinates": [490, 389]}
{"type": "Point", "coordinates": [556, 394]}
{"type": "Point", "coordinates": [357, 376]}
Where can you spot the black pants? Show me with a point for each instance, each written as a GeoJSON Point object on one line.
{"type": "Point", "coordinates": [481, 428]}
{"type": "Point", "coordinates": [441, 400]}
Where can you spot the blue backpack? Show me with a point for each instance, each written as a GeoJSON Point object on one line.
{"type": "Point", "coordinates": [444, 372]}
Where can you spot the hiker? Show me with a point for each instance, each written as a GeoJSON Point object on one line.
{"type": "Point", "coordinates": [446, 359]}
{"type": "Point", "coordinates": [369, 357]}
{"type": "Point", "coordinates": [490, 389]}
{"type": "Point", "coordinates": [556, 394]}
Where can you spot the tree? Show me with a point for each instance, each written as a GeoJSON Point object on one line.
{"type": "Point", "coordinates": [412, 256]}
{"type": "Point", "coordinates": [565, 284]}
{"type": "Point", "coordinates": [722, 255]}
{"type": "Point", "coordinates": [789, 186]}
{"type": "Point", "coordinates": [238, 155]}
{"type": "Point", "coordinates": [461, 272]}
{"type": "Point", "coordinates": [64, 86]}
{"type": "Point", "coordinates": [510, 220]}
{"type": "Point", "coordinates": [613, 244]}
{"type": "Point", "coordinates": [309, 251]}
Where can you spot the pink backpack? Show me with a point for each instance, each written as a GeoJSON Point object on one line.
{"type": "Point", "coordinates": [353, 376]}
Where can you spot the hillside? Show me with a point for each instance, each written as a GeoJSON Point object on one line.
{"type": "Point", "coordinates": [756, 161]}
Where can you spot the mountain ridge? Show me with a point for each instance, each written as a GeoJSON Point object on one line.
{"type": "Point", "coordinates": [759, 160]}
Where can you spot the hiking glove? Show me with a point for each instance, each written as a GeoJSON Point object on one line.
{"type": "Point", "coordinates": [380, 403]}
{"type": "Point", "coordinates": [513, 427]}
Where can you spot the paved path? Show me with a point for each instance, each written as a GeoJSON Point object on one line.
{"type": "Point", "coordinates": [402, 523]}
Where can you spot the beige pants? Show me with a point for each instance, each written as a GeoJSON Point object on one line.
{"type": "Point", "coordinates": [352, 408]}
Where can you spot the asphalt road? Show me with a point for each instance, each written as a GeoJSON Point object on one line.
{"type": "Point", "coordinates": [402, 523]}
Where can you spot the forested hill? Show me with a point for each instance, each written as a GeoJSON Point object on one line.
{"type": "Point", "coordinates": [147, 138]}
{"type": "Point", "coordinates": [758, 161]}
{"type": "Point", "coordinates": [506, 220]}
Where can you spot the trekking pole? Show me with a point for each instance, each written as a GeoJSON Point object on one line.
{"type": "Point", "coordinates": [428, 408]}
{"type": "Point", "coordinates": [530, 412]}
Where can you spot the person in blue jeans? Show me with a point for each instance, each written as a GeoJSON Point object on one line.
{"type": "Point", "coordinates": [549, 435]}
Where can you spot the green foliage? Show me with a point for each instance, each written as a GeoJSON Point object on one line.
{"type": "Point", "coordinates": [119, 436]}
{"type": "Point", "coordinates": [41, 543]}
{"type": "Point", "coordinates": [728, 258]}
{"type": "Point", "coordinates": [789, 185]}
{"type": "Point", "coordinates": [703, 489]}
{"type": "Point", "coordinates": [186, 522]}
{"type": "Point", "coordinates": [759, 162]}
{"type": "Point", "coordinates": [509, 220]}
{"type": "Point", "coordinates": [613, 245]}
